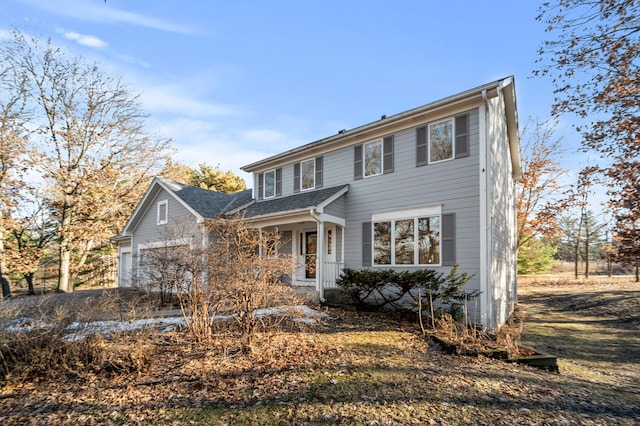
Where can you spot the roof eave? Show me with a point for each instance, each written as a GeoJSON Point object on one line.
{"type": "Point", "coordinates": [507, 87]}
{"type": "Point", "coordinates": [490, 89]}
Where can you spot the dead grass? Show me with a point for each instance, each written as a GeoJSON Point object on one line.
{"type": "Point", "coordinates": [592, 326]}
{"type": "Point", "coordinates": [354, 369]}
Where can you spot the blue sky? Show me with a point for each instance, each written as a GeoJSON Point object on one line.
{"type": "Point", "coordinates": [235, 81]}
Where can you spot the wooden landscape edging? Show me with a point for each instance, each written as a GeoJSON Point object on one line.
{"type": "Point", "coordinates": [539, 360]}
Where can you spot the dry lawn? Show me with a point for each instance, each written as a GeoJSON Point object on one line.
{"type": "Point", "coordinates": [359, 369]}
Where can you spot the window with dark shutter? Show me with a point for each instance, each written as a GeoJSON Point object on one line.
{"type": "Point", "coordinates": [357, 162]}
{"type": "Point", "coordinates": [421, 146]}
{"type": "Point", "coordinates": [462, 136]}
{"type": "Point", "coordinates": [278, 182]}
{"type": "Point", "coordinates": [260, 186]}
{"type": "Point", "coordinates": [318, 172]}
{"type": "Point", "coordinates": [448, 243]}
{"type": "Point", "coordinates": [366, 244]}
{"type": "Point", "coordinates": [296, 177]}
{"type": "Point", "coordinates": [387, 159]}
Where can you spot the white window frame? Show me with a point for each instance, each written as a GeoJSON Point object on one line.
{"type": "Point", "coordinates": [364, 157]}
{"type": "Point", "coordinates": [264, 187]}
{"type": "Point", "coordinates": [450, 120]}
{"type": "Point", "coordinates": [411, 214]}
{"type": "Point", "coordinates": [163, 205]}
{"type": "Point", "coordinates": [313, 174]}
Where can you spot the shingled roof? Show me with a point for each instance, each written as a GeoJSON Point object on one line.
{"type": "Point", "coordinates": [205, 202]}
{"type": "Point", "coordinates": [300, 201]}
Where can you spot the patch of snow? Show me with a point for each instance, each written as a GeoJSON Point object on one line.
{"type": "Point", "coordinates": [80, 330]}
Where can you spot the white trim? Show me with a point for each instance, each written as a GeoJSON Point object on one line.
{"type": "Point", "coordinates": [484, 214]}
{"type": "Point", "coordinates": [453, 139]}
{"type": "Point", "coordinates": [162, 244]}
{"type": "Point", "coordinates": [313, 162]}
{"type": "Point", "coordinates": [264, 184]}
{"type": "Point", "coordinates": [320, 207]}
{"type": "Point", "coordinates": [331, 218]}
{"type": "Point", "coordinates": [364, 157]}
{"type": "Point", "coordinates": [162, 203]}
{"type": "Point", "coordinates": [407, 213]}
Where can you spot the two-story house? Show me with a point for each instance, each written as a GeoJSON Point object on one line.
{"type": "Point", "coordinates": [427, 188]}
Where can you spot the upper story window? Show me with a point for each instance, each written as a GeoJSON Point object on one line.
{"type": "Point", "coordinates": [373, 158]}
{"type": "Point", "coordinates": [163, 212]}
{"type": "Point", "coordinates": [442, 140]}
{"type": "Point", "coordinates": [307, 174]}
{"type": "Point", "coordinates": [269, 184]}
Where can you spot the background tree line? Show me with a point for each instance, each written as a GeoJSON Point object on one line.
{"type": "Point", "coordinates": [75, 158]}
{"type": "Point", "coordinates": [592, 59]}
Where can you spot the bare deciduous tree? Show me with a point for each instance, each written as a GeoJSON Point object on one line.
{"type": "Point", "coordinates": [593, 59]}
{"type": "Point", "coordinates": [539, 200]}
{"type": "Point", "coordinates": [92, 148]}
{"type": "Point", "coordinates": [13, 144]}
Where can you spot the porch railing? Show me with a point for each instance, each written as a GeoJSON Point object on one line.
{"type": "Point", "coordinates": [330, 273]}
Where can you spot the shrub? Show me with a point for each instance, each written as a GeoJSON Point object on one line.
{"type": "Point", "coordinates": [36, 341]}
{"type": "Point", "coordinates": [386, 289]}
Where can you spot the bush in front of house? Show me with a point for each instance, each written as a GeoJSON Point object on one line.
{"type": "Point", "coordinates": [407, 291]}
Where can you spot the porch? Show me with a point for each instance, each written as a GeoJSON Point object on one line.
{"type": "Point", "coordinates": [311, 225]}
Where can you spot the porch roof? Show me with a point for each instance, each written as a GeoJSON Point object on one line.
{"type": "Point", "coordinates": [295, 202]}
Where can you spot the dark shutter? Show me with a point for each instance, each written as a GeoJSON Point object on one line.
{"type": "Point", "coordinates": [357, 162]}
{"type": "Point", "coordinates": [278, 182]}
{"type": "Point", "coordinates": [462, 136]}
{"type": "Point", "coordinates": [296, 177]}
{"type": "Point", "coordinates": [260, 186]}
{"type": "Point", "coordinates": [387, 158]}
{"type": "Point", "coordinates": [366, 244]}
{"type": "Point", "coordinates": [421, 146]}
{"type": "Point", "coordinates": [319, 172]}
{"type": "Point", "coordinates": [448, 239]}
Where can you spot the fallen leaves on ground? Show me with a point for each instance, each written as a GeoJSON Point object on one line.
{"type": "Point", "coordinates": [351, 369]}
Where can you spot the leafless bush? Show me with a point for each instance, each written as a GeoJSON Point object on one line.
{"type": "Point", "coordinates": [510, 333]}
{"type": "Point", "coordinates": [232, 273]}
{"type": "Point", "coordinates": [247, 271]}
{"type": "Point", "coordinates": [36, 339]}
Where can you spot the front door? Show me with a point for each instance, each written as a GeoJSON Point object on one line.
{"type": "Point", "coordinates": [310, 253]}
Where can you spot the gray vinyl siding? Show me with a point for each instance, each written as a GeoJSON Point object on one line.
{"type": "Point", "coordinates": [501, 197]}
{"type": "Point", "coordinates": [454, 184]}
{"type": "Point", "coordinates": [337, 208]}
{"type": "Point", "coordinates": [148, 231]}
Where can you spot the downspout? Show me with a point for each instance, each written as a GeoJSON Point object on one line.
{"type": "Point", "coordinates": [319, 252]}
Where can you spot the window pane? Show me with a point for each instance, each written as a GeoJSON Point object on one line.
{"type": "Point", "coordinates": [429, 240]}
{"type": "Point", "coordinates": [441, 140]}
{"type": "Point", "coordinates": [270, 184]}
{"type": "Point", "coordinates": [382, 243]}
{"type": "Point", "coordinates": [373, 158]}
{"type": "Point", "coordinates": [404, 242]}
{"type": "Point", "coordinates": [307, 174]}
